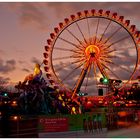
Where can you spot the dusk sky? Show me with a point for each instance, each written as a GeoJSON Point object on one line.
{"type": "Point", "coordinates": [25, 27]}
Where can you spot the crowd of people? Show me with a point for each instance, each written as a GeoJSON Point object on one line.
{"type": "Point", "coordinates": [93, 124]}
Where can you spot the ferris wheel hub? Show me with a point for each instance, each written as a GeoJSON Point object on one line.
{"type": "Point", "coordinates": [92, 51]}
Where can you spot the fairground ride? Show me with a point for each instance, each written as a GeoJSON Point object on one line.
{"type": "Point", "coordinates": [89, 45]}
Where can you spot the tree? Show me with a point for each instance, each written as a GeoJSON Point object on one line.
{"type": "Point", "coordinates": [2, 85]}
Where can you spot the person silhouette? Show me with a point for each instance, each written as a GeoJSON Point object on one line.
{"type": "Point", "coordinates": [95, 123]}
{"type": "Point", "coordinates": [90, 125]}
{"type": "Point", "coordinates": [99, 121]}
{"type": "Point", "coordinates": [85, 125]}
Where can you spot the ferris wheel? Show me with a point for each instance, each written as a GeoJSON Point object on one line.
{"type": "Point", "coordinates": [90, 45]}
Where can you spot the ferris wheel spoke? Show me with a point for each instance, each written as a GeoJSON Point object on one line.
{"type": "Point", "coordinates": [102, 69]}
{"type": "Point", "coordinates": [69, 43]}
{"type": "Point", "coordinates": [77, 61]}
{"type": "Point", "coordinates": [75, 37]}
{"type": "Point", "coordinates": [111, 51]}
{"type": "Point", "coordinates": [68, 64]}
{"type": "Point", "coordinates": [73, 71]}
{"type": "Point", "coordinates": [116, 56]}
{"type": "Point", "coordinates": [126, 37]}
{"type": "Point", "coordinates": [88, 27]}
{"type": "Point", "coordinates": [118, 66]}
{"type": "Point", "coordinates": [108, 57]}
{"type": "Point", "coordinates": [67, 57]}
{"type": "Point", "coordinates": [126, 69]}
{"type": "Point", "coordinates": [81, 32]}
{"type": "Point", "coordinates": [123, 50]}
{"type": "Point", "coordinates": [112, 34]}
{"type": "Point", "coordinates": [60, 58]}
{"type": "Point", "coordinates": [126, 48]}
{"type": "Point", "coordinates": [107, 60]}
{"type": "Point", "coordinates": [64, 49]}
{"type": "Point", "coordinates": [78, 56]}
{"type": "Point", "coordinates": [111, 71]}
{"type": "Point", "coordinates": [96, 32]}
{"type": "Point", "coordinates": [105, 31]}
{"type": "Point", "coordinates": [107, 52]}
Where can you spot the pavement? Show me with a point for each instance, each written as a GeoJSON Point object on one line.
{"type": "Point", "coordinates": [132, 132]}
{"type": "Point", "coordinates": [73, 134]}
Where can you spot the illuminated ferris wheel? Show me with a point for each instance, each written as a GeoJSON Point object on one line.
{"type": "Point", "coordinates": [88, 46]}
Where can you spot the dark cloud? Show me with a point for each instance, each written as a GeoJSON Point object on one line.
{"type": "Point", "coordinates": [125, 9]}
{"type": "Point", "coordinates": [25, 66]}
{"type": "Point", "coordinates": [7, 66]}
{"type": "Point", "coordinates": [39, 14]}
{"type": "Point", "coordinates": [122, 7]}
{"type": "Point", "coordinates": [21, 62]}
{"type": "Point", "coordinates": [30, 14]}
{"type": "Point", "coordinates": [35, 60]}
{"type": "Point", "coordinates": [26, 70]}
{"type": "Point", "coordinates": [4, 80]}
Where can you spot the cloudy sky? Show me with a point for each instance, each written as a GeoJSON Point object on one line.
{"type": "Point", "coordinates": [25, 27]}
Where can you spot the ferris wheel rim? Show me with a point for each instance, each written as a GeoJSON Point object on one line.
{"type": "Point", "coordinates": [86, 17]}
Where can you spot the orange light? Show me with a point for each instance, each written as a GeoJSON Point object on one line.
{"type": "Point", "coordinates": [15, 117]}
{"type": "Point", "coordinates": [100, 101]}
{"type": "Point", "coordinates": [92, 49]}
{"type": "Point", "coordinates": [122, 113]}
{"type": "Point", "coordinates": [14, 102]}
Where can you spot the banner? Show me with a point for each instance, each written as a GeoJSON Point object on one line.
{"type": "Point", "coordinates": [54, 124]}
{"type": "Point", "coordinates": [67, 122]}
